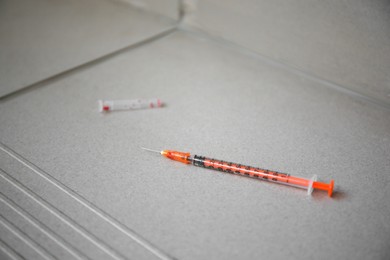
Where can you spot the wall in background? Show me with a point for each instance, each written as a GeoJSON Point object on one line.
{"type": "Point", "coordinates": [169, 8]}
{"type": "Point", "coordinates": [39, 39]}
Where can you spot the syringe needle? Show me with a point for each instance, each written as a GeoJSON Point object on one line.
{"type": "Point", "coordinates": [150, 150]}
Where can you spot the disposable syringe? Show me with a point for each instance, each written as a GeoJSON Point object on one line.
{"type": "Point", "coordinates": [248, 171]}
{"type": "Point", "coordinates": [128, 104]}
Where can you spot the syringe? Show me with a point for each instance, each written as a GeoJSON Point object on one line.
{"type": "Point", "coordinates": [248, 171]}
{"type": "Point", "coordinates": [128, 104]}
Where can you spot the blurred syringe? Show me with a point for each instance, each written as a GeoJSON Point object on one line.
{"type": "Point", "coordinates": [128, 104]}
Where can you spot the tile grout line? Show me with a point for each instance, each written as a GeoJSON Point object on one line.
{"type": "Point", "coordinates": [26, 239]}
{"type": "Point", "coordinates": [84, 202]}
{"type": "Point", "coordinates": [291, 68]}
{"type": "Point", "coordinates": [60, 215]}
{"type": "Point", "coordinates": [9, 251]}
{"type": "Point", "coordinates": [86, 65]}
{"type": "Point", "coordinates": [42, 227]}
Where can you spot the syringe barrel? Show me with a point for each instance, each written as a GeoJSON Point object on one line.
{"type": "Point", "coordinates": [249, 171]}
{"type": "Point", "coordinates": [129, 104]}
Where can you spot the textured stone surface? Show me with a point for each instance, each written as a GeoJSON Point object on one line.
{"type": "Point", "coordinates": [222, 103]}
